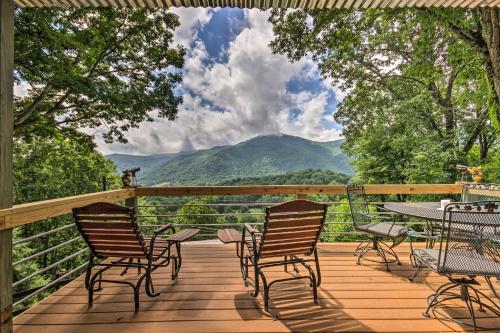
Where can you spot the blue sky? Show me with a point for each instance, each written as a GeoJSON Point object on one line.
{"type": "Point", "coordinates": [234, 88]}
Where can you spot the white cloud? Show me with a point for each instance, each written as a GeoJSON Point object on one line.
{"type": "Point", "coordinates": [191, 20]}
{"type": "Point", "coordinates": [247, 96]}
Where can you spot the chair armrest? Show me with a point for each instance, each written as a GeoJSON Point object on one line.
{"type": "Point", "coordinates": [377, 217]}
{"type": "Point", "coordinates": [159, 231]}
{"type": "Point", "coordinates": [415, 234]}
{"type": "Point", "coordinates": [163, 228]}
{"type": "Point", "coordinates": [251, 229]}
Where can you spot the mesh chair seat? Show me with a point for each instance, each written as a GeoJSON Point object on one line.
{"type": "Point", "coordinates": [384, 229]}
{"type": "Point", "coordinates": [459, 261]}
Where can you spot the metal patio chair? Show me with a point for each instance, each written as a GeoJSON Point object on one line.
{"type": "Point", "coordinates": [291, 231]}
{"type": "Point", "coordinates": [378, 227]}
{"type": "Point", "coordinates": [112, 234]}
{"type": "Point", "coordinates": [469, 247]}
{"type": "Point", "coordinates": [482, 192]}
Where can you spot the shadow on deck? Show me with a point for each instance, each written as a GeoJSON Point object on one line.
{"type": "Point", "coordinates": [210, 296]}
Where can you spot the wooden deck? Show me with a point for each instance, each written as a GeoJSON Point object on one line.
{"type": "Point", "coordinates": [210, 296]}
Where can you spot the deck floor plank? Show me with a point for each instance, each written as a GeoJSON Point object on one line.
{"type": "Point", "coordinates": [210, 296]}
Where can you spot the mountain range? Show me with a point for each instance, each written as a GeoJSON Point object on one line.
{"type": "Point", "coordinates": [257, 157]}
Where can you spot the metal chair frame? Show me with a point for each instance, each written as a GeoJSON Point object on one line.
{"type": "Point", "coordinates": [467, 283]}
{"type": "Point", "coordinates": [254, 257]}
{"type": "Point", "coordinates": [376, 244]}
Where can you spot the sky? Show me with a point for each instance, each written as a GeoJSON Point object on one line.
{"type": "Point", "coordinates": [234, 88]}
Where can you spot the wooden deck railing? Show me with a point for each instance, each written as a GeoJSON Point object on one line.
{"type": "Point", "coordinates": [25, 214]}
{"type": "Point", "coordinates": [36, 211]}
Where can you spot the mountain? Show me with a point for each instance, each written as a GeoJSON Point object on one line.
{"type": "Point", "coordinates": [145, 162]}
{"type": "Point", "coordinates": [259, 156]}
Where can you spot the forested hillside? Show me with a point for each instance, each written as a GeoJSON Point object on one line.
{"type": "Point", "coordinates": [260, 156]}
{"type": "Point", "coordinates": [310, 177]}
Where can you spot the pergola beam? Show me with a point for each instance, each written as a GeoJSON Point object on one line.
{"type": "Point", "coordinates": [262, 4]}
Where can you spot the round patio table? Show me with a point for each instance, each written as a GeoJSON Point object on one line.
{"type": "Point", "coordinates": [431, 212]}
{"type": "Point", "coordinates": [426, 210]}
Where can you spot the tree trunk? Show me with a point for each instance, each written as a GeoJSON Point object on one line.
{"type": "Point", "coordinates": [491, 34]}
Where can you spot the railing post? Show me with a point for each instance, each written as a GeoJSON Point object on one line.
{"type": "Point", "coordinates": [6, 142]}
{"type": "Point", "coordinates": [131, 202]}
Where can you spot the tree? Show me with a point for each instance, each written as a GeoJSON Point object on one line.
{"type": "Point", "coordinates": [479, 28]}
{"type": "Point", "coordinates": [88, 68]}
{"type": "Point", "coordinates": [46, 169]}
{"type": "Point", "coordinates": [197, 212]}
{"type": "Point", "coordinates": [415, 91]}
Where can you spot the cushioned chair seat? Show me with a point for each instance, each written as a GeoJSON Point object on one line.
{"type": "Point", "coordinates": [458, 261]}
{"type": "Point", "coordinates": [384, 229]}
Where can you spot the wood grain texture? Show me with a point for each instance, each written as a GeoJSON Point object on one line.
{"type": "Point", "coordinates": [41, 210]}
{"type": "Point", "coordinates": [298, 189]}
{"type": "Point", "coordinates": [210, 296]}
{"type": "Point", "coordinates": [6, 142]}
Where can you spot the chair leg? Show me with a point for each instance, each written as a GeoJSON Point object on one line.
{"type": "Point", "coordinates": [412, 278]}
{"type": "Point", "coordinates": [464, 291]}
{"type": "Point", "coordinates": [255, 293]}
{"type": "Point", "coordinates": [136, 299]}
{"type": "Point", "coordinates": [286, 264]}
{"type": "Point", "coordinates": [243, 266]}
{"type": "Point", "coordinates": [125, 270]}
{"type": "Point", "coordinates": [89, 271]}
{"type": "Point", "coordinates": [266, 290]}
{"type": "Point", "coordinates": [150, 291]}
{"type": "Point", "coordinates": [492, 287]}
{"type": "Point", "coordinates": [318, 271]}
{"type": "Point", "coordinates": [176, 267]}
{"type": "Point", "coordinates": [433, 299]}
{"type": "Point", "coordinates": [244, 269]}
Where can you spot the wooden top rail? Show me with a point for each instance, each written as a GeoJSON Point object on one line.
{"type": "Point", "coordinates": [298, 189]}
{"type": "Point", "coordinates": [41, 210]}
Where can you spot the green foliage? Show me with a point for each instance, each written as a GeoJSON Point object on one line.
{"type": "Point", "coordinates": [309, 176]}
{"type": "Point", "coordinates": [46, 169]}
{"type": "Point", "coordinates": [197, 206]}
{"type": "Point", "coordinates": [490, 166]}
{"type": "Point", "coordinates": [417, 98]}
{"type": "Point", "coordinates": [55, 168]}
{"type": "Point", "coordinates": [89, 67]}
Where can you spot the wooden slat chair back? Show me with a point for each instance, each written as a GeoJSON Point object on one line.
{"type": "Point", "coordinates": [113, 236]}
{"type": "Point", "coordinates": [292, 228]}
{"type": "Point", "coordinates": [110, 231]}
{"type": "Point", "coordinates": [290, 233]}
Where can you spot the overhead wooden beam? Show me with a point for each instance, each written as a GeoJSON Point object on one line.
{"type": "Point", "coordinates": [6, 142]}
{"type": "Point", "coordinates": [261, 4]}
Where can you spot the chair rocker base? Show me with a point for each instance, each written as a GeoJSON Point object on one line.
{"type": "Point", "coordinates": [384, 252]}
{"type": "Point", "coordinates": [163, 261]}
{"type": "Point", "coordinates": [314, 281]}
{"type": "Point", "coordinates": [468, 293]}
